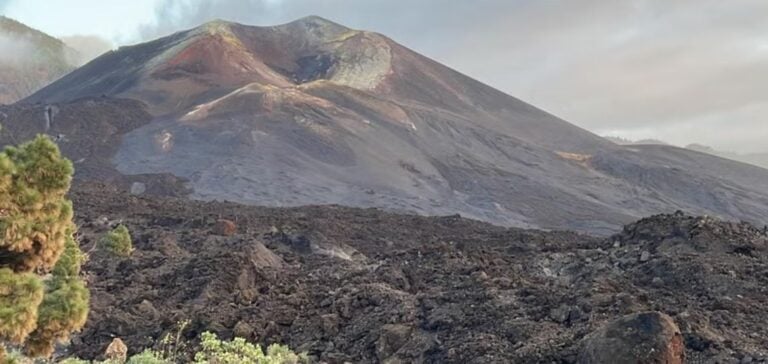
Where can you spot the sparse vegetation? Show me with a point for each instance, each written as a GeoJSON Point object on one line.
{"type": "Point", "coordinates": [239, 351]}
{"type": "Point", "coordinates": [42, 296]}
{"type": "Point", "coordinates": [73, 361]}
{"type": "Point", "coordinates": [118, 241]}
{"type": "Point", "coordinates": [148, 357]}
{"type": "Point", "coordinates": [212, 351]}
{"type": "Point", "coordinates": [173, 345]}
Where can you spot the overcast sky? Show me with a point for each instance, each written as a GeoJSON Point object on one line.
{"type": "Point", "coordinates": [682, 71]}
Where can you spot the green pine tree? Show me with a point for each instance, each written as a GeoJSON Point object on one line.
{"type": "Point", "coordinates": [118, 241]}
{"type": "Point", "coordinates": [42, 296]}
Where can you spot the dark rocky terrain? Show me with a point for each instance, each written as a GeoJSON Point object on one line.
{"type": "Point", "coordinates": [365, 286]}
{"type": "Point", "coordinates": [29, 60]}
{"type": "Point", "coordinates": [312, 112]}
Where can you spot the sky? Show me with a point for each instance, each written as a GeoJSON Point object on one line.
{"type": "Point", "coordinates": [683, 71]}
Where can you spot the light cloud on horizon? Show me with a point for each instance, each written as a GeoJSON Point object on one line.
{"type": "Point", "coordinates": [684, 71]}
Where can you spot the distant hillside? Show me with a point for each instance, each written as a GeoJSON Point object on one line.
{"type": "Point", "coordinates": [758, 159]}
{"type": "Point", "coordinates": [29, 60]}
{"type": "Point", "coordinates": [625, 141]}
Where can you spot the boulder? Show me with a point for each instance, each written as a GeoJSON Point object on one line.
{"type": "Point", "coordinates": [640, 338]}
{"type": "Point", "coordinates": [117, 351]}
{"type": "Point", "coordinates": [391, 339]}
{"type": "Point", "coordinates": [225, 227]}
{"type": "Point", "coordinates": [147, 310]}
{"type": "Point", "coordinates": [330, 324]}
{"type": "Point", "coordinates": [243, 329]}
{"type": "Point", "coordinates": [137, 188]}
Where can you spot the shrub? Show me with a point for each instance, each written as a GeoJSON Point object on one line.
{"type": "Point", "coordinates": [74, 361]}
{"type": "Point", "coordinates": [212, 351]}
{"type": "Point", "coordinates": [148, 357]}
{"type": "Point", "coordinates": [238, 351]}
{"type": "Point", "coordinates": [118, 241]}
{"type": "Point", "coordinates": [15, 357]}
{"type": "Point", "coordinates": [36, 238]}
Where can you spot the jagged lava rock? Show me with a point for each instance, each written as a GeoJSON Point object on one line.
{"type": "Point", "coordinates": [641, 338]}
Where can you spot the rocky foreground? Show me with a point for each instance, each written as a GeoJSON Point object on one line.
{"type": "Point", "coordinates": [363, 286]}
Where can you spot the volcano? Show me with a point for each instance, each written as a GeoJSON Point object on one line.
{"type": "Point", "coordinates": [30, 59]}
{"type": "Point", "coordinates": [313, 112]}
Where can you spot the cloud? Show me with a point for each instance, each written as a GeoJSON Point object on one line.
{"type": "Point", "coordinates": [88, 47]}
{"type": "Point", "coordinates": [395, 18]}
{"type": "Point", "coordinates": [15, 49]}
{"type": "Point", "coordinates": [684, 71]}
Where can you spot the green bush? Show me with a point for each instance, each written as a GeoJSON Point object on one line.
{"type": "Point", "coordinates": [148, 357]}
{"type": "Point", "coordinates": [145, 357]}
{"type": "Point", "coordinates": [214, 351]}
{"type": "Point", "coordinates": [74, 361]}
{"type": "Point", "coordinates": [38, 310]}
{"type": "Point", "coordinates": [118, 241]}
{"type": "Point", "coordinates": [238, 351]}
{"type": "Point", "coordinates": [15, 357]}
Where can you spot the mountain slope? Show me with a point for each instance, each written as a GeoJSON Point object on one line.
{"type": "Point", "coordinates": [29, 60]}
{"type": "Point", "coordinates": [312, 112]}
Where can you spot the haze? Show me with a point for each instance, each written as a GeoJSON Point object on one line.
{"type": "Point", "coordinates": [692, 71]}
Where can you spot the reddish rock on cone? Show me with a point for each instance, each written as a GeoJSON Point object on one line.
{"type": "Point", "coordinates": [640, 338]}
{"type": "Point", "coordinates": [225, 227]}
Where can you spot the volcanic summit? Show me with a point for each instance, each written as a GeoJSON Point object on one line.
{"type": "Point", "coordinates": [312, 112]}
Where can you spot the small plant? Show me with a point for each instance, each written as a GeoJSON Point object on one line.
{"type": "Point", "coordinates": [118, 241]}
{"type": "Point", "coordinates": [239, 351]}
{"type": "Point", "coordinates": [15, 357]}
{"type": "Point", "coordinates": [148, 357]}
{"type": "Point", "coordinates": [74, 361]}
{"type": "Point", "coordinates": [172, 345]}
